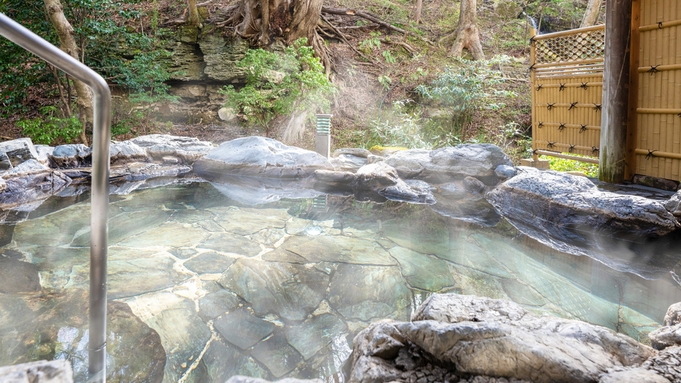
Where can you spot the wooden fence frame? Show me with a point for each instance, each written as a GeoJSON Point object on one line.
{"type": "Point", "coordinates": [566, 76]}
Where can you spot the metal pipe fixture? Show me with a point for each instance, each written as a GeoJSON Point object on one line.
{"type": "Point", "coordinates": [99, 199]}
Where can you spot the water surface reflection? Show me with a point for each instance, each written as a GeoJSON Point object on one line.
{"type": "Point", "coordinates": [280, 290]}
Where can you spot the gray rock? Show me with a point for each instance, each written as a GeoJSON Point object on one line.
{"type": "Point", "coordinates": [673, 315]}
{"type": "Point", "coordinates": [666, 336]}
{"type": "Point", "coordinates": [475, 160]}
{"type": "Point", "coordinates": [570, 214]}
{"type": "Point", "coordinates": [504, 172]}
{"type": "Point", "coordinates": [666, 363]}
{"type": "Point", "coordinates": [127, 151]}
{"type": "Point", "coordinates": [5, 163]}
{"type": "Point", "coordinates": [673, 205]}
{"type": "Point", "coordinates": [473, 185]}
{"type": "Point", "coordinates": [247, 379]}
{"type": "Point", "coordinates": [259, 157]}
{"type": "Point", "coordinates": [29, 166]}
{"type": "Point", "coordinates": [71, 156]}
{"type": "Point", "coordinates": [348, 162]}
{"type": "Point", "coordinates": [634, 375]}
{"type": "Point", "coordinates": [44, 153]}
{"type": "Point", "coordinates": [357, 152]}
{"type": "Point", "coordinates": [226, 114]}
{"type": "Point", "coordinates": [186, 149]}
{"type": "Point", "coordinates": [43, 371]}
{"type": "Point", "coordinates": [3, 185]}
{"type": "Point", "coordinates": [253, 191]}
{"type": "Point", "coordinates": [31, 189]}
{"type": "Point", "coordinates": [332, 181]}
{"type": "Point", "coordinates": [493, 338]}
{"type": "Point", "coordinates": [379, 181]}
{"type": "Point", "coordinates": [409, 163]}
{"type": "Point", "coordinates": [16, 152]}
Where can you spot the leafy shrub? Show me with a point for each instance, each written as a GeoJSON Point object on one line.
{"type": "Point", "coordinates": [470, 87]}
{"type": "Point", "coordinates": [49, 129]}
{"type": "Point", "coordinates": [292, 81]}
{"type": "Point", "coordinates": [396, 127]}
{"type": "Point", "coordinates": [567, 165]}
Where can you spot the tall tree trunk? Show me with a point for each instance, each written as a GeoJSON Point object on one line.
{"type": "Point", "coordinates": [263, 21]}
{"type": "Point", "coordinates": [417, 13]}
{"type": "Point", "coordinates": [67, 42]}
{"type": "Point", "coordinates": [194, 19]}
{"type": "Point", "coordinates": [467, 34]}
{"type": "Point", "coordinates": [593, 8]}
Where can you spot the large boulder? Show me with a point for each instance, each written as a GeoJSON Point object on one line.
{"type": "Point", "coordinates": [475, 160]}
{"type": "Point", "coordinates": [164, 147]}
{"type": "Point", "coordinates": [14, 152]}
{"type": "Point", "coordinates": [31, 186]}
{"type": "Point", "coordinates": [451, 163]}
{"type": "Point", "coordinates": [569, 213]}
{"type": "Point", "coordinates": [259, 157]}
{"type": "Point", "coordinates": [471, 336]}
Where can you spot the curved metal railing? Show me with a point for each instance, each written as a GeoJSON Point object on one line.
{"type": "Point", "coordinates": [100, 181]}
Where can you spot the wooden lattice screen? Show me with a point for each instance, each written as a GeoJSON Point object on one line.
{"type": "Point", "coordinates": [657, 145]}
{"type": "Point", "coordinates": [567, 85]}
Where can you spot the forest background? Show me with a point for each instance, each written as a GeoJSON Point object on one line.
{"type": "Point", "coordinates": [407, 73]}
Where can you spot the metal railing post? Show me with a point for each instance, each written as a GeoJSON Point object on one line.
{"type": "Point", "coordinates": [100, 181]}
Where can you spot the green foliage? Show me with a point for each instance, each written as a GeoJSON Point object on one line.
{"type": "Point", "coordinates": [20, 69]}
{"type": "Point", "coordinates": [370, 44]}
{"type": "Point", "coordinates": [49, 129]}
{"type": "Point", "coordinates": [292, 81]}
{"type": "Point", "coordinates": [556, 15]}
{"type": "Point", "coordinates": [396, 127]}
{"type": "Point", "coordinates": [470, 87]}
{"type": "Point", "coordinates": [122, 55]}
{"type": "Point", "coordinates": [566, 165]}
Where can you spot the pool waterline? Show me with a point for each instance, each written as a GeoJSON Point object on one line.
{"type": "Point", "coordinates": [280, 290]}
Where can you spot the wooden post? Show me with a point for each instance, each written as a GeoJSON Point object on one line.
{"type": "Point", "coordinates": [632, 126]}
{"type": "Point", "coordinates": [615, 90]}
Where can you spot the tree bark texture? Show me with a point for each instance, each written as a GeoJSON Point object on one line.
{"type": "Point", "coordinates": [67, 43]}
{"type": "Point", "coordinates": [593, 8]}
{"type": "Point", "coordinates": [615, 103]}
{"type": "Point", "coordinates": [263, 21]}
{"type": "Point", "coordinates": [467, 34]}
{"type": "Point", "coordinates": [417, 13]}
{"type": "Point", "coordinates": [193, 19]}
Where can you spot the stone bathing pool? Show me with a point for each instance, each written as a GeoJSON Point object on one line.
{"type": "Point", "coordinates": [277, 290]}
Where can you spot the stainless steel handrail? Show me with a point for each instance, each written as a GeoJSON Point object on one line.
{"type": "Point", "coordinates": [100, 181]}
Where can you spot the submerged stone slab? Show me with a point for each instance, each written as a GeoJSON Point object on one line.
{"type": "Point", "coordinates": [183, 333]}
{"type": "Point", "coordinates": [289, 290]}
{"type": "Point", "coordinates": [231, 243]}
{"type": "Point", "coordinates": [209, 262]}
{"type": "Point", "coordinates": [18, 277]}
{"type": "Point", "coordinates": [338, 249]}
{"type": "Point", "coordinates": [222, 361]}
{"type": "Point", "coordinates": [217, 303]}
{"type": "Point", "coordinates": [277, 355]}
{"type": "Point", "coordinates": [242, 328]}
{"type": "Point", "coordinates": [54, 326]}
{"type": "Point", "coordinates": [422, 271]}
{"type": "Point", "coordinates": [369, 292]}
{"type": "Point", "coordinates": [315, 333]}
